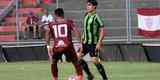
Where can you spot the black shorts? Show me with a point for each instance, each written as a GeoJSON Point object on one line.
{"type": "Point", "coordinates": [69, 53]}
{"type": "Point", "coordinates": [89, 48]}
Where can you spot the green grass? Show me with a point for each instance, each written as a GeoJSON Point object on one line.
{"type": "Point", "coordinates": [40, 70]}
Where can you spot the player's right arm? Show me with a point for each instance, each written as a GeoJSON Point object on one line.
{"type": "Point", "coordinates": [78, 35]}
{"type": "Point", "coordinates": [47, 35]}
{"type": "Point", "coordinates": [47, 39]}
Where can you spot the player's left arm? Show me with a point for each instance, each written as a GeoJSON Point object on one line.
{"type": "Point", "coordinates": [101, 33]}
{"type": "Point", "coordinates": [101, 37]}
{"type": "Point", "coordinates": [76, 30]}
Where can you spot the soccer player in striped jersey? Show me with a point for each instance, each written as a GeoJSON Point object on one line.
{"type": "Point", "coordinates": [93, 34]}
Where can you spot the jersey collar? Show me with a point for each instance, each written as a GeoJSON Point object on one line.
{"type": "Point", "coordinates": [92, 13]}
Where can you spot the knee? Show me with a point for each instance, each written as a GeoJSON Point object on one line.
{"type": "Point", "coordinates": [95, 60]}
{"type": "Point", "coordinates": [79, 56]}
{"type": "Point", "coordinates": [76, 62]}
{"type": "Point", "coordinates": [54, 61]}
{"type": "Point", "coordinates": [80, 61]}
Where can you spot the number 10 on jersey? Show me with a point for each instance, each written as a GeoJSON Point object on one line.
{"type": "Point", "coordinates": [60, 30]}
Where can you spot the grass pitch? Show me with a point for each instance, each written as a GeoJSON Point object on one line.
{"type": "Point", "coordinates": [40, 70]}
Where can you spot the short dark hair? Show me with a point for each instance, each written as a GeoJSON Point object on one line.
{"type": "Point", "coordinates": [59, 12]}
{"type": "Point", "coordinates": [93, 2]}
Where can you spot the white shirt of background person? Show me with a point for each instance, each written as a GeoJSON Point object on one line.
{"type": "Point", "coordinates": [47, 19]}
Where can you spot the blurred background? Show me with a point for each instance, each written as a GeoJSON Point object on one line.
{"type": "Point", "coordinates": [22, 28]}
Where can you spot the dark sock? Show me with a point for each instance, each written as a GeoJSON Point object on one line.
{"type": "Point", "coordinates": [101, 71]}
{"type": "Point", "coordinates": [54, 70]}
{"type": "Point", "coordinates": [85, 67]}
{"type": "Point", "coordinates": [78, 69]}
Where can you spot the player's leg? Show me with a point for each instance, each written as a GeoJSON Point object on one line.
{"type": "Point", "coordinates": [84, 64]}
{"type": "Point", "coordinates": [98, 65]}
{"type": "Point", "coordinates": [100, 68]}
{"type": "Point", "coordinates": [34, 31]}
{"type": "Point", "coordinates": [54, 69]}
{"type": "Point", "coordinates": [39, 31]}
{"type": "Point", "coordinates": [73, 57]}
{"type": "Point", "coordinates": [30, 32]}
{"type": "Point", "coordinates": [86, 69]}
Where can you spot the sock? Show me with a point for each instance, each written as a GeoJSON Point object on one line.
{"type": "Point", "coordinates": [85, 67]}
{"type": "Point", "coordinates": [101, 71]}
{"type": "Point", "coordinates": [54, 71]}
{"type": "Point", "coordinates": [78, 69]}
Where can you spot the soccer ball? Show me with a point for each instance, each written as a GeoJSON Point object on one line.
{"type": "Point", "coordinates": [72, 77]}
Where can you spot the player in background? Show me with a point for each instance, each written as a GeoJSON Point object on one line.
{"type": "Point", "coordinates": [93, 34]}
{"type": "Point", "coordinates": [61, 31]}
